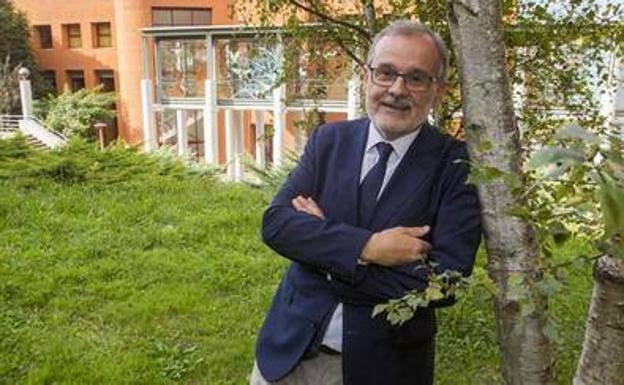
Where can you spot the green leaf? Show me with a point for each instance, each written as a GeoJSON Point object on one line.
{"type": "Point", "coordinates": [378, 309]}
{"type": "Point", "coordinates": [516, 287]}
{"type": "Point", "coordinates": [550, 331]}
{"type": "Point", "coordinates": [612, 204]}
{"type": "Point", "coordinates": [527, 309]}
{"type": "Point", "coordinates": [483, 174]}
{"type": "Point", "coordinates": [548, 155]}
{"type": "Point", "coordinates": [434, 293]}
{"type": "Point", "coordinates": [575, 131]}
{"type": "Point", "coordinates": [548, 286]}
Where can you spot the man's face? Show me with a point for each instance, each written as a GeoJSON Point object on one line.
{"type": "Point", "coordinates": [396, 109]}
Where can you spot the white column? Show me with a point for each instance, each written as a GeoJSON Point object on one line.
{"type": "Point", "coordinates": [181, 119]}
{"type": "Point", "coordinates": [230, 148]}
{"type": "Point", "coordinates": [148, 115]}
{"type": "Point", "coordinates": [619, 97]}
{"type": "Point", "coordinates": [238, 146]}
{"type": "Point", "coordinates": [279, 124]}
{"type": "Point", "coordinates": [211, 136]}
{"type": "Point", "coordinates": [260, 140]}
{"type": "Point", "coordinates": [353, 97]}
{"type": "Point", "coordinates": [26, 97]}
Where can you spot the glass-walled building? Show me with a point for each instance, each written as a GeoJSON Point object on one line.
{"type": "Point", "coordinates": [217, 93]}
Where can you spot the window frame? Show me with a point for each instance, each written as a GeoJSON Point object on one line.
{"type": "Point", "coordinates": [48, 28]}
{"type": "Point", "coordinates": [70, 79]}
{"type": "Point", "coordinates": [50, 75]}
{"type": "Point", "coordinates": [171, 18]}
{"type": "Point", "coordinates": [98, 36]}
{"type": "Point", "coordinates": [73, 31]}
{"type": "Point", "coordinates": [108, 74]}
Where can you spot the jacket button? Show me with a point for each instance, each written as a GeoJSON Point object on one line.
{"type": "Point", "coordinates": [328, 277]}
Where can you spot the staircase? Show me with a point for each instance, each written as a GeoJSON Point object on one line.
{"type": "Point", "coordinates": [35, 133]}
{"type": "Point", "coordinates": [9, 125]}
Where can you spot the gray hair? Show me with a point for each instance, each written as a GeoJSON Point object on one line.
{"type": "Point", "coordinates": [412, 28]}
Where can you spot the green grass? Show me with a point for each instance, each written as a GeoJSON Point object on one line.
{"type": "Point", "coordinates": [161, 278]}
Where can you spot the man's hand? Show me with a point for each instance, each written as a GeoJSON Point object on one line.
{"type": "Point", "coordinates": [396, 246]}
{"type": "Point", "coordinates": [307, 205]}
{"type": "Point", "coordinates": [390, 247]}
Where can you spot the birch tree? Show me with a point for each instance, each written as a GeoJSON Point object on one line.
{"type": "Point", "coordinates": [494, 143]}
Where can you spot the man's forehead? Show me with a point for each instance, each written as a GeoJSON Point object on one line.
{"type": "Point", "coordinates": [411, 50]}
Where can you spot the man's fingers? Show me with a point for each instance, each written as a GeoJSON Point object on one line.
{"type": "Point", "coordinates": [299, 203]}
{"type": "Point", "coordinates": [307, 205]}
{"type": "Point", "coordinates": [425, 247]}
{"type": "Point", "coordinates": [415, 231]}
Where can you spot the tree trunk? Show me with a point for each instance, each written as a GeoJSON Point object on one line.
{"type": "Point", "coordinates": [493, 139]}
{"type": "Point", "coordinates": [602, 359]}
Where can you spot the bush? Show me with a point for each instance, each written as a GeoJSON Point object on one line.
{"type": "Point", "coordinates": [75, 113]}
{"type": "Point", "coordinates": [81, 162]}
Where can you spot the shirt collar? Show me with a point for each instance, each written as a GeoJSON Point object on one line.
{"type": "Point", "coordinates": [400, 145]}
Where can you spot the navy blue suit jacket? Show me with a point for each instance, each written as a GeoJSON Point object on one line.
{"type": "Point", "coordinates": [427, 188]}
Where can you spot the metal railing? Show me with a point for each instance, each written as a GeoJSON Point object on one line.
{"type": "Point", "coordinates": [9, 123]}
{"type": "Point", "coordinates": [43, 127]}
{"type": "Point", "coordinates": [30, 126]}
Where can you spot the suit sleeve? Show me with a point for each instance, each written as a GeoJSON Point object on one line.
{"type": "Point", "coordinates": [455, 238]}
{"type": "Point", "coordinates": [326, 245]}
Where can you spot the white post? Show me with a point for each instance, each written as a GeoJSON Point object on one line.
{"type": "Point", "coordinates": [181, 118]}
{"type": "Point", "coordinates": [619, 97]}
{"type": "Point", "coordinates": [211, 136]}
{"type": "Point", "coordinates": [25, 92]}
{"type": "Point", "coordinates": [238, 146]}
{"type": "Point", "coordinates": [279, 124]}
{"type": "Point", "coordinates": [146, 105]}
{"type": "Point", "coordinates": [260, 140]}
{"type": "Point", "coordinates": [353, 97]}
{"type": "Point", "coordinates": [229, 143]}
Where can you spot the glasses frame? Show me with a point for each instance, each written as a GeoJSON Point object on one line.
{"type": "Point", "coordinates": [397, 74]}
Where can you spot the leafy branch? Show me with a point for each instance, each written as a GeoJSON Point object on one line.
{"type": "Point", "coordinates": [443, 286]}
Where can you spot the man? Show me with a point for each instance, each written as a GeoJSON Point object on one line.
{"type": "Point", "coordinates": [368, 203]}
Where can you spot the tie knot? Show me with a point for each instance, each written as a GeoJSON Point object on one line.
{"type": "Point", "coordinates": [384, 150]}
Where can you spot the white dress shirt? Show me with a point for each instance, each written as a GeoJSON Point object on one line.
{"type": "Point", "coordinates": [333, 334]}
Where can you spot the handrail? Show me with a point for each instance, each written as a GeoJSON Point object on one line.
{"type": "Point", "coordinates": [9, 123]}
{"type": "Point", "coordinates": [55, 133]}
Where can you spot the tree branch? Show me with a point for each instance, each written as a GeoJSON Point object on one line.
{"type": "Point", "coordinates": [349, 52]}
{"type": "Point", "coordinates": [369, 15]}
{"type": "Point", "coordinates": [330, 19]}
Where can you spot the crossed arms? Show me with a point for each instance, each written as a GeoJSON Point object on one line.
{"type": "Point", "coordinates": [371, 267]}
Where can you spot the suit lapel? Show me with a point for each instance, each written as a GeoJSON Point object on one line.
{"type": "Point", "coordinates": [349, 168]}
{"type": "Point", "coordinates": [411, 175]}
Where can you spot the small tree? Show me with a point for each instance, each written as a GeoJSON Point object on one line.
{"type": "Point", "coordinates": [9, 88]}
{"type": "Point", "coordinates": [14, 52]}
{"type": "Point", "coordinates": [75, 113]}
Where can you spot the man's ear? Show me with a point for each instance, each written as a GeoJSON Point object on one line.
{"type": "Point", "coordinates": [440, 92]}
{"type": "Point", "coordinates": [367, 73]}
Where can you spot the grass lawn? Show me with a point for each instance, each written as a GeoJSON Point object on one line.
{"type": "Point", "coordinates": [164, 280]}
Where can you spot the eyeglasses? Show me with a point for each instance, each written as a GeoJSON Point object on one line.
{"type": "Point", "coordinates": [414, 81]}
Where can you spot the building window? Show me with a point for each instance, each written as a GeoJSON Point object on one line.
{"type": "Point", "coordinates": [43, 34]}
{"type": "Point", "coordinates": [106, 78]}
{"type": "Point", "coordinates": [75, 80]}
{"type": "Point", "coordinates": [181, 16]}
{"type": "Point", "coordinates": [49, 77]}
{"type": "Point", "coordinates": [102, 35]}
{"type": "Point", "coordinates": [72, 35]}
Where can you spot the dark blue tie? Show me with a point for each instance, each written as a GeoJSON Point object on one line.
{"type": "Point", "coordinates": [371, 185]}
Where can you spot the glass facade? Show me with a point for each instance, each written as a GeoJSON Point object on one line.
{"type": "Point", "coordinates": [322, 73]}
{"type": "Point", "coordinates": [246, 69]}
{"type": "Point", "coordinates": [192, 123]}
{"type": "Point", "coordinates": [182, 66]}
